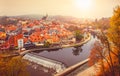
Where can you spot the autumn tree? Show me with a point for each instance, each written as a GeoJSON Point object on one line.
{"type": "Point", "coordinates": [98, 57]}
{"type": "Point", "coordinates": [103, 23]}
{"type": "Point", "coordinates": [114, 34]}
{"type": "Point", "coordinates": [114, 31]}
{"type": "Point", "coordinates": [13, 67]}
{"type": "Point", "coordinates": [111, 42]}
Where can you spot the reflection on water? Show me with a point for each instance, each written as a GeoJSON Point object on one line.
{"type": "Point", "coordinates": [70, 56]}
{"type": "Point", "coordinates": [46, 50]}
{"type": "Point", "coordinates": [77, 51]}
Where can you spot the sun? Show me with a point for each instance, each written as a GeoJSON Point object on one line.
{"type": "Point", "coordinates": [83, 4]}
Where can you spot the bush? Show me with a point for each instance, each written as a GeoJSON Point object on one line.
{"type": "Point", "coordinates": [47, 44]}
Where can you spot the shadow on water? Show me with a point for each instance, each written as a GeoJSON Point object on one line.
{"type": "Point", "coordinates": [47, 50]}
{"type": "Point", "coordinates": [65, 55]}
{"type": "Point", "coordinates": [68, 56]}
{"type": "Point", "coordinates": [76, 51]}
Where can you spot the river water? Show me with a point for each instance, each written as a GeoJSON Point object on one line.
{"type": "Point", "coordinates": [72, 55]}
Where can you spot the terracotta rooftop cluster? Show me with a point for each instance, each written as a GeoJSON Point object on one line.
{"type": "Point", "coordinates": [40, 31]}
{"type": "Point", "coordinates": [36, 31]}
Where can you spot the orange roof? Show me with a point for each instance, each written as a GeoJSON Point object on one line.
{"type": "Point", "coordinates": [2, 35]}
{"type": "Point", "coordinates": [35, 37]}
{"type": "Point", "coordinates": [55, 39]}
{"type": "Point", "coordinates": [37, 29]}
{"type": "Point", "coordinates": [46, 36]}
{"type": "Point", "coordinates": [25, 39]}
{"type": "Point", "coordinates": [11, 27]}
{"type": "Point", "coordinates": [30, 24]}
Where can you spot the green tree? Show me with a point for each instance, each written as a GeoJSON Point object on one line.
{"type": "Point", "coordinates": [78, 35]}
{"type": "Point", "coordinates": [47, 44]}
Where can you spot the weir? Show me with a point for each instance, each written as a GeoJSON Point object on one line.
{"type": "Point", "coordinates": [49, 63]}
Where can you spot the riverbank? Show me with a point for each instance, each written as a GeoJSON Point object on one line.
{"type": "Point", "coordinates": [65, 55]}
{"type": "Point", "coordinates": [78, 44]}
{"type": "Point", "coordinates": [52, 48]}
{"type": "Point", "coordinates": [72, 68]}
{"type": "Point", "coordinates": [88, 72]}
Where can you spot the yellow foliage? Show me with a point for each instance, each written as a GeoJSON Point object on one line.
{"type": "Point", "coordinates": [15, 66]}
{"type": "Point", "coordinates": [114, 31]}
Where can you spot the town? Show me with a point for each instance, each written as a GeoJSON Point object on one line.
{"type": "Point", "coordinates": [36, 33]}
{"type": "Point", "coordinates": [59, 38]}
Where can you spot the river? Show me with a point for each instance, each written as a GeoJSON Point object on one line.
{"type": "Point", "coordinates": [70, 56]}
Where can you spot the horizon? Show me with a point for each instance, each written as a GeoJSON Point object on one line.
{"type": "Point", "coordinates": [38, 15]}
{"type": "Point", "coordinates": [76, 8]}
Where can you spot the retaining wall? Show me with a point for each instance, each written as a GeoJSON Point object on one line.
{"type": "Point", "coordinates": [49, 63]}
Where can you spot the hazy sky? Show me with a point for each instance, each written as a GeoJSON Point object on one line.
{"type": "Point", "coordinates": [98, 8]}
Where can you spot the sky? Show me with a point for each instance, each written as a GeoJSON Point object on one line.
{"type": "Point", "coordinates": [75, 8]}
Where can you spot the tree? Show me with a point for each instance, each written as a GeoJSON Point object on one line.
{"type": "Point", "coordinates": [47, 44]}
{"type": "Point", "coordinates": [111, 42]}
{"type": "Point", "coordinates": [103, 23]}
{"type": "Point", "coordinates": [13, 67]}
{"type": "Point", "coordinates": [114, 31]}
{"type": "Point", "coordinates": [78, 35]}
{"type": "Point", "coordinates": [107, 57]}
{"type": "Point", "coordinates": [98, 56]}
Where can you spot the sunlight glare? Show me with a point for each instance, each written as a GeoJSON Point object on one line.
{"type": "Point", "coordinates": [83, 4]}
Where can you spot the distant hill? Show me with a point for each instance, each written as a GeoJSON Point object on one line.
{"type": "Point", "coordinates": [64, 19]}
{"type": "Point", "coordinates": [4, 20]}
{"type": "Point", "coordinates": [32, 16]}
